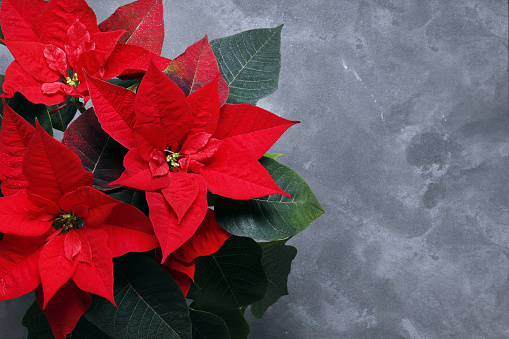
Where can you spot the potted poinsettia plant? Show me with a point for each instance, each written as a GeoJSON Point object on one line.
{"type": "Point", "coordinates": [161, 213]}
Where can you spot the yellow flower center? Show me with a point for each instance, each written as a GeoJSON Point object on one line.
{"type": "Point", "coordinates": [172, 159]}
{"type": "Point", "coordinates": [74, 82]}
{"type": "Point", "coordinates": [67, 221]}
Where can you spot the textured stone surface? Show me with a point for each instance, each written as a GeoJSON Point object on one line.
{"type": "Point", "coordinates": [405, 141]}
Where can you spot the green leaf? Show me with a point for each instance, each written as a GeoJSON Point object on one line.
{"type": "Point", "coordinates": [30, 111]}
{"type": "Point", "coordinates": [150, 303]}
{"type": "Point", "coordinates": [63, 117]}
{"type": "Point", "coordinates": [230, 278]}
{"type": "Point", "coordinates": [86, 330]}
{"type": "Point", "coordinates": [132, 197]}
{"type": "Point", "coordinates": [208, 326]}
{"type": "Point", "coordinates": [45, 121]}
{"type": "Point", "coordinates": [236, 323]}
{"type": "Point", "coordinates": [250, 62]}
{"type": "Point", "coordinates": [276, 261]}
{"type": "Point", "coordinates": [37, 323]}
{"type": "Point", "coordinates": [211, 198]}
{"type": "Point", "coordinates": [124, 83]}
{"type": "Point", "coordinates": [275, 216]}
{"type": "Point", "coordinates": [39, 328]}
{"type": "Point", "coordinates": [27, 110]}
{"type": "Point", "coordinates": [273, 156]}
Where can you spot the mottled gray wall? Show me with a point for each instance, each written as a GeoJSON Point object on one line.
{"type": "Point", "coordinates": [405, 141]}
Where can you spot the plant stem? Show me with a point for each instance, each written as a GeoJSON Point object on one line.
{"type": "Point", "coordinates": [65, 104]}
{"type": "Point", "coordinates": [79, 105]}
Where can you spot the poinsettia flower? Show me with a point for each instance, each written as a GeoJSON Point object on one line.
{"type": "Point", "coordinates": [52, 43]}
{"type": "Point", "coordinates": [208, 239]}
{"type": "Point", "coordinates": [180, 147]}
{"type": "Point", "coordinates": [62, 234]}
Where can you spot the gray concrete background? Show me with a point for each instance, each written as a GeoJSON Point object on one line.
{"type": "Point", "coordinates": [405, 141]}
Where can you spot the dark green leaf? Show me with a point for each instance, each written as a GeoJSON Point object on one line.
{"type": "Point", "coordinates": [230, 278]}
{"type": "Point", "coordinates": [208, 326]}
{"type": "Point", "coordinates": [150, 303]}
{"type": "Point", "coordinates": [275, 216]}
{"type": "Point", "coordinates": [236, 323]}
{"type": "Point", "coordinates": [39, 328]}
{"type": "Point", "coordinates": [132, 197]}
{"type": "Point", "coordinates": [86, 330]}
{"type": "Point", "coordinates": [276, 261]}
{"type": "Point", "coordinates": [250, 62]}
{"type": "Point", "coordinates": [211, 198]}
{"type": "Point", "coordinates": [63, 117]}
{"type": "Point", "coordinates": [99, 153]}
{"type": "Point", "coordinates": [30, 111]}
{"type": "Point", "coordinates": [124, 83]}
{"type": "Point", "coordinates": [37, 323]}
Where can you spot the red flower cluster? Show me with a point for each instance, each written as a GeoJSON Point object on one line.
{"type": "Point", "coordinates": [60, 233]}
{"type": "Point", "coordinates": [180, 147]}
{"type": "Point", "coordinates": [54, 42]}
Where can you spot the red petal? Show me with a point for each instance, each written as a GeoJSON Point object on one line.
{"type": "Point", "coordinates": [92, 62]}
{"type": "Point", "coordinates": [72, 245]}
{"type": "Point", "coordinates": [56, 87]}
{"type": "Point", "coordinates": [138, 174]}
{"type": "Point", "coordinates": [17, 18]}
{"type": "Point", "coordinates": [77, 42]}
{"type": "Point", "coordinates": [114, 107]}
{"type": "Point", "coordinates": [129, 230]}
{"type": "Point", "coordinates": [19, 272]}
{"type": "Point", "coordinates": [143, 21]}
{"type": "Point", "coordinates": [18, 80]}
{"type": "Point", "coordinates": [250, 128]}
{"type": "Point", "coordinates": [149, 137]}
{"type": "Point", "coordinates": [65, 308]}
{"type": "Point", "coordinates": [195, 143]}
{"type": "Point", "coordinates": [45, 209]}
{"type": "Point", "coordinates": [30, 56]}
{"type": "Point", "coordinates": [59, 15]}
{"type": "Point", "coordinates": [182, 192]}
{"type": "Point", "coordinates": [15, 216]}
{"type": "Point", "coordinates": [97, 276]}
{"type": "Point", "coordinates": [98, 205]}
{"type": "Point", "coordinates": [205, 106]}
{"type": "Point", "coordinates": [207, 239]}
{"type": "Point", "coordinates": [129, 59]}
{"type": "Point", "coordinates": [157, 163]}
{"type": "Point", "coordinates": [15, 135]}
{"type": "Point", "coordinates": [56, 59]}
{"type": "Point", "coordinates": [182, 279]}
{"type": "Point", "coordinates": [170, 233]}
{"type": "Point", "coordinates": [54, 267]}
{"type": "Point", "coordinates": [52, 169]}
{"type": "Point", "coordinates": [195, 68]}
{"type": "Point", "coordinates": [234, 174]}
{"type": "Point", "coordinates": [106, 41]}
{"type": "Point", "coordinates": [160, 102]}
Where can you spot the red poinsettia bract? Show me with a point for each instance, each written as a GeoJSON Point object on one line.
{"type": "Point", "coordinates": [60, 233]}
{"type": "Point", "coordinates": [208, 239]}
{"type": "Point", "coordinates": [180, 147]}
{"type": "Point", "coordinates": [53, 42]}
